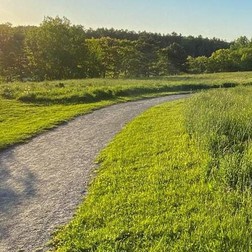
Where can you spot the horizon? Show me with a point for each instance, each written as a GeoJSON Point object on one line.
{"type": "Point", "coordinates": [227, 20]}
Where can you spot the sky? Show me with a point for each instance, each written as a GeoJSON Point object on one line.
{"type": "Point", "coordinates": [224, 19]}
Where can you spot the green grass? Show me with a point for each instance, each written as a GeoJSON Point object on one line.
{"type": "Point", "coordinates": [153, 192]}
{"type": "Point", "coordinates": [20, 121]}
{"type": "Point", "coordinates": [221, 122]}
{"type": "Point", "coordinates": [27, 109]}
{"type": "Point", "coordinates": [93, 90]}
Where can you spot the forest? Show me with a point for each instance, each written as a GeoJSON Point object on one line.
{"type": "Point", "coordinates": [57, 49]}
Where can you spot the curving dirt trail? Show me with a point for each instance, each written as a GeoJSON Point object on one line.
{"type": "Point", "coordinates": [42, 181]}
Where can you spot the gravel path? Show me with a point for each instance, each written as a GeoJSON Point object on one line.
{"type": "Point", "coordinates": [42, 181]}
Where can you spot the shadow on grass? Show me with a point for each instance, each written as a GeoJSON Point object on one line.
{"type": "Point", "coordinates": [177, 88]}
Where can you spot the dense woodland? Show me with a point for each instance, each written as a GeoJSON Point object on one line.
{"type": "Point", "coordinates": [238, 57]}
{"type": "Point", "coordinates": [56, 49]}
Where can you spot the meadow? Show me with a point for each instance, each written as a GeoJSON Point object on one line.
{"type": "Point", "coordinates": [177, 178]}
{"type": "Point", "coordinates": [29, 108]}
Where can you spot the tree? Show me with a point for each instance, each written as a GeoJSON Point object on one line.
{"type": "Point", "coordinates": [198, 65]}
{"type": "Point", "coordinates": [105, 52]}
{"type": "Point", "coordinates": [245, 59]}
{"type": "Point", "coordinates": [95, 54]}
{"type": "Point", "coordinates": [131, 59]}
{"type": "Point", "coordinates": [113, 57]}
{"type": "Point", "coordinates": [12, 58]}
{"type": "Point", "coordinates": [241, 42]}
{"type": "Point", "coordinates": [223, 61]}
{"type": "Point", "coordinates": [57, 50]}
{"type": "Point", "coordinates": [172, 59]}
{"type": "Point", "coordinates": [147, 56]}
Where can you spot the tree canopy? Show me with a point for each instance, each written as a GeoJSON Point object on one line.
{"type": "Point", "coordinates": [57, 49]}
{"type": "Point", "coordinates": [236, 58]}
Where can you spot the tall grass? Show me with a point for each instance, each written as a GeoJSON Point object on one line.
{"type": "Point", "coordinates": [153, 191]}
{"type": "Point", "coordinates": [221, 123]}
{"type": "Point", "coordinates": [93, 90]}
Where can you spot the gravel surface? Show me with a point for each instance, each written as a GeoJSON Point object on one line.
{"type": "Point", "coordinates": [42, 181]}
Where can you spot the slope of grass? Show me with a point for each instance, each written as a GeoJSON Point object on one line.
{"type": "Point", "coordinates": [26, 109]}
{"type": "Point", "coordinates": [93, 90]}
{"type": "Point", "coordinates": [152, 192]}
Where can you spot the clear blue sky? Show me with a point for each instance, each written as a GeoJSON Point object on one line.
{"type": "Point", "coordinates": [225, 19]}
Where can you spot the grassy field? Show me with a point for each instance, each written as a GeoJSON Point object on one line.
{"type": "Point", "coordinates": [177, 178]}
{"type": "Point", "coordinates": [221, 122]}
{"type": "Point", "coordinates": [20, 121]}
{"type": "Point", "coordinates": [27, 109]}
{"type": "Point", "coordinates": [93, 90]}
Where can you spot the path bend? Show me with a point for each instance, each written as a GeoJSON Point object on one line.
{"type": "Point", "coordinates": [43, 181]}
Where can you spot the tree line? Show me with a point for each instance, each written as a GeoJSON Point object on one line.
{"type": "Point", "coordinates": [57, 49]}
{"type": "Point", "coordinates": [238, 57]}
